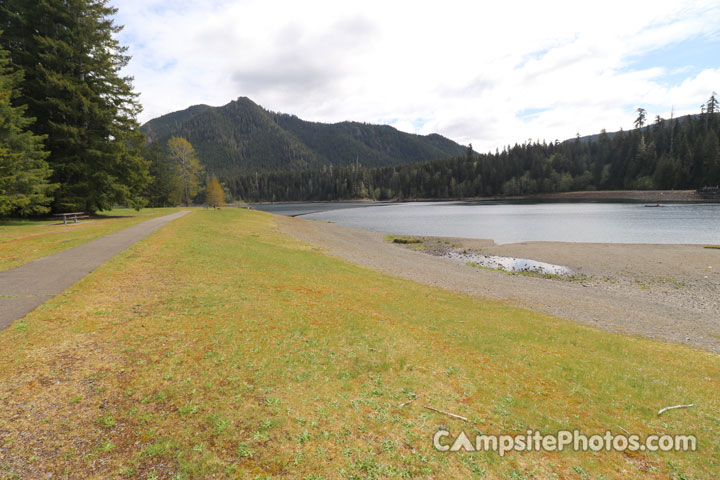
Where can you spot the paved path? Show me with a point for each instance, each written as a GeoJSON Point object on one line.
{"type": "Point", "coordinates": [24, 288]}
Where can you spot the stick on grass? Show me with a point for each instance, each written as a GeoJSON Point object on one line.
{"type": "Point", "coordinates": [446, 413]}
{"type": "Point", "coordinates": [674, 407]}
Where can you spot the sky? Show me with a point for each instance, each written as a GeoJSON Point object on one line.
{"type": "Point", "coordinates": [487, 73]}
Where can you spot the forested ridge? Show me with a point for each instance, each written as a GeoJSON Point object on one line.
{"type": "Point", "coordinates": [682, 153]}
{"type": "Point", "coordinates": [242, 137]}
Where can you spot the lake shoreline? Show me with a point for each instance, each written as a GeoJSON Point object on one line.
{"type": "Point", "coordinates": [639, 196]}
{"type": "Point", "coordinates": [660, 291]}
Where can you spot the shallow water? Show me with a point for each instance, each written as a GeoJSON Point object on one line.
{"type": "Point", "coordinates": [563, 222]}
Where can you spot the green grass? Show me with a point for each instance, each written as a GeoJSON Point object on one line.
{"type": "Point", "coordinates": [219, 348]}
{"type": "Point", "coordinates": [713, 246]}
{"type": "Point", "coordinates": [402, 239]}
{"type": "Point", "coordinates": [22, 241]}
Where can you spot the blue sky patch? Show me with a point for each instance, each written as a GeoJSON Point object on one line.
{"type": "Point", "coordinates": [680, 60]}
{"type": "Point", "coordinates": [529, 113]}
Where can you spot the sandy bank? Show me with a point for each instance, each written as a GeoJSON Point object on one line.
{"type": "Point", "coordinates": [650, 196]}
{"type": "Point", "coordinates": [664, 292]}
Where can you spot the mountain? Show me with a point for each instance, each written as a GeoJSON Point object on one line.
{"type": "Point", "coordinates": [242, 137]}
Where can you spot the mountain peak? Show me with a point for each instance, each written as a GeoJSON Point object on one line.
{"type": "Point", "coordinates": [242, 137]}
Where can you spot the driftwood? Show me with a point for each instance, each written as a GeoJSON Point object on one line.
{"type": "Point", "coordinates": [446, 413]}
{"type": "Point", "coordinates": [674, 407]}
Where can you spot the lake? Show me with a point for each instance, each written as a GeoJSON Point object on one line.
{"type": "Point", "coordinates": [511, 223]}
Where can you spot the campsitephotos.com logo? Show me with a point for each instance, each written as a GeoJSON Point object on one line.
{"type": "Point", "coordinates": [534, 440]}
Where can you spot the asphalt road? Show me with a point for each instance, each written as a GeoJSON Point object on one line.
{"type": "Point", "coordinates": [24, 288]}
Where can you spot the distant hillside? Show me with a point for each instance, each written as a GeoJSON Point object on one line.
{"type": "Point", "coordinates": [242, 137]}
{"type": "Point", "coordinates": [611, 135]}
{"type": "Point", "coordinates": [678, 155]}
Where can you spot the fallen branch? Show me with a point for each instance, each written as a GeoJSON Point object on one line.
{"type": "Point", "coordinates": [674, 407]}
{"type": "Point", "coordinates": [626, 432]}
{"type": "Point", "coordinates": [409, 401]}
{"type": "Point", "coordinates": [446, 413]}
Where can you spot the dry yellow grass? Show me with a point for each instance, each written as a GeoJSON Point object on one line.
{"type": "Point", "coordinates": [219, 348]}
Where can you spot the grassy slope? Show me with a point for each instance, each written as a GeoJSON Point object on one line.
{"type": "Point", "coordinates": [22, 241]}
{"type": "Point", "coordinates": [218, 346]}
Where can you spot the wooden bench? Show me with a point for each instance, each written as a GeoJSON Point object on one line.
{"type": "Point", "coordinates": [71, 216]}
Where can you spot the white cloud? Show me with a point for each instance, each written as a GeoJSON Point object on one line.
{"type": "Point", "coordinates": [468, 70]}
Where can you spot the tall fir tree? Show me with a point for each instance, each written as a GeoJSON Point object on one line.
{"type": "Point", "coordinates": [712, 104]}
{"type": "Point", "coordinates": [24, 185]}
{"type": "Point", "coordinates": [640, 120]}
{"type": "Point", "coordinates": [160, 191]}
{"type": "Point", "coordinates": [82, 104]}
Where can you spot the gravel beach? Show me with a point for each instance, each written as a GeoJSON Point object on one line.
{"type": "Point", "coordinates": [664, 292]}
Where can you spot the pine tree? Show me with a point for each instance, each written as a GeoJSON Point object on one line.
{"type": "Point", "coordinates": [73, 88]}
{"type": "Point", "coordinates": [640, 120]}
{"type": "Point", "coordinates": [712, 104]}
{"type": "Point", "coordinates": [214, 194]}
{"type": "Point", "coordinates": [159, 192]}
{"type": "Point", "coordinates": [24, 186]}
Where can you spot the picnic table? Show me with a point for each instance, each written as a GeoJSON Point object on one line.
{"type": "Point", "coordinates": [72, 216]}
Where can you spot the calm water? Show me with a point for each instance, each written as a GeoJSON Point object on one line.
{"type": "Point", "coordinates": [509, 223]}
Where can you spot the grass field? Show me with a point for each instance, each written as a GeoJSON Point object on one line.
{"type": "Point", "coordinates": [220, 348]}
{"type": "Point", "coordinates": [22, 241]}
